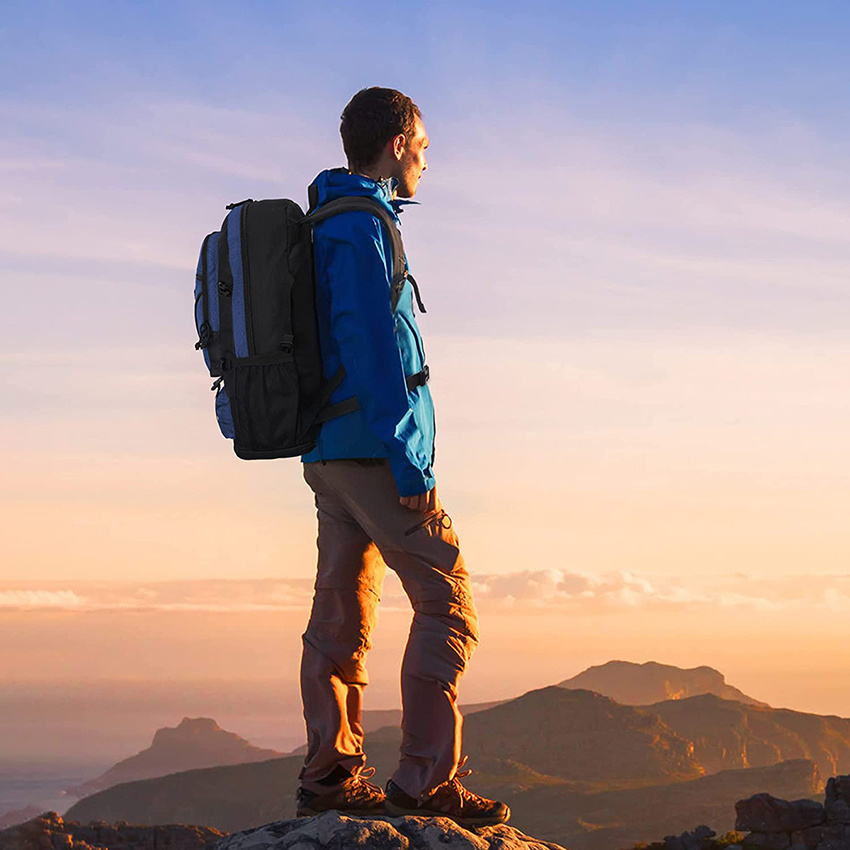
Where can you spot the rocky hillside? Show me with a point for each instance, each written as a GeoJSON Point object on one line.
{"type": "Point", "coordinates": [644, 684]}
{"type": "Point", "coordinates": [613, 819]}
{"type": "Point", "coordinates": [227, 798]}
{"type": "Point", "coordinates": [581, 735]}
{"type": "Point", "coordinates": [729, 735]}
{"type": "Point", "coordinates": [52, 832]}
{"type": "Point", "coordinates": [195, 742]}
{"type": "Point", "coordinates": [379, 718]}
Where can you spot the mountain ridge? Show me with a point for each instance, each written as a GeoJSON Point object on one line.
{"type": "Point", "coordinates": [643, 684]}
{"type": "Point", "coordinates": [193, 743]}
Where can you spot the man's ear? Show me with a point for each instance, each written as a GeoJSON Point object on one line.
{"type": "Point", "coordinates": [398, 144]}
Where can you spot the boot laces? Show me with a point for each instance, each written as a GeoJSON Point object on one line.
{"type": "Point", "coordinates": [361, 780]}
{"type": "Point", "coordinates": [464, 794]}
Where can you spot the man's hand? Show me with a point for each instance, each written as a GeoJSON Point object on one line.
{"type": "Point", "coordinates": [423, 502]}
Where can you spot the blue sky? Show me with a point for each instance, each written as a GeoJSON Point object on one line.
{"type": "Point", "coordinates": [656, 55]}
{"type": "Point", "coordinates": [718, 104]}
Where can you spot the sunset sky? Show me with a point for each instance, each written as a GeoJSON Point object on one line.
{"type": "Point", "coordinates": [633, 246]}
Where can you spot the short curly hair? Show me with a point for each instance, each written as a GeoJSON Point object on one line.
{"type": "Point", "coordinates": [371, 118]}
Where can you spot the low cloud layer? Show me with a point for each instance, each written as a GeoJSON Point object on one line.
{"type": "Point", "coordinates": [552, 590]}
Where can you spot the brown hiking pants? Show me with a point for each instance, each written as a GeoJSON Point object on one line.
{"type": "Point", "coordinates": [362, 530]}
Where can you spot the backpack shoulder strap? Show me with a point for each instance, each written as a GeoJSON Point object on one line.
{"type": "Point", "coordinates": [377, 209]}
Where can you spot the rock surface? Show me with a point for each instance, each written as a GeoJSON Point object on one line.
{"type": "Point", "coordinates": [331, 831]}
{"type": "Point", "coordinates": [51, 832]}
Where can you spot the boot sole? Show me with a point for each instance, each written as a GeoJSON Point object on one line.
{"type": "Point", "coordinates": [400, 811]}
{"type": "Point", "coordinates": [352, 813]}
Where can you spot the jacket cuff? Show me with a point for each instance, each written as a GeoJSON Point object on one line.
{"type": "Point", "coordinates": [412, 481]}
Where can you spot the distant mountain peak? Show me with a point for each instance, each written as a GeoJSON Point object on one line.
{"type": "Point", "coordinates": [630, 683]}
{"type": "Point", "coordinates": [198, 723]}
{"type": "Point", "coordinates": [189, 730]}
{"type": "Point", "coordinates": [194, 743]}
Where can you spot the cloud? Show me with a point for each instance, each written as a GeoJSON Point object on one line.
{"type": "Point", "coordinates": [192, 596]}
{"type": "Point", "coordinates": [527, 590]}
{"type": "Point", "coordinates": [585, 591]}
{"type": "Point", "coordinates": [29, 600]}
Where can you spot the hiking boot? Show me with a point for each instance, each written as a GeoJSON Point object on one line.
{"type": "Point", "coordinates": [353, 796]}
{"type": "Point", "coordinates": [449, 800]}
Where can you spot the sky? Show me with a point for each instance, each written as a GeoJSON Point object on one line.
{"type": "Point", "coordinates": [632, 243]}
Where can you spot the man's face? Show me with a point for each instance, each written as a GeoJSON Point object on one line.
{"type": "Point", "coordinates": [410, 156]}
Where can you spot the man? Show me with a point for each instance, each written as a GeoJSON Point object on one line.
{"type": "Point", "coordinates": [376, 497]}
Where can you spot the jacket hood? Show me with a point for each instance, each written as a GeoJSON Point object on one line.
{"type": "Point", "coordinates": [341, 183]}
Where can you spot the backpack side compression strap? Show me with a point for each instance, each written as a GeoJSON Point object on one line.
{"type": "Point", "coordinates": [352, 404]}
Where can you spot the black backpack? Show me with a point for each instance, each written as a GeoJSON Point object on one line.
{"type": "Point", "coordinates": [255, 314]}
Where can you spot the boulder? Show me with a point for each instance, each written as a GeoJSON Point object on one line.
{"type": "Point", "coordinates": [764, 813]}
{"type": "Point", "coordinates": [838, 800]}
{"type": "Point", "coordinates": [834, 844]}
{"type": "Point", "coordinates": [807, 839]}
{"type": "Point", "coordinates": [332, 831]}
{"type": "Point", "coordinates": [767, 841]}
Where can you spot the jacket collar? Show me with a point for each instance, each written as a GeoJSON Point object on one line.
{"type": "Point", "coordinates": [340, 182]}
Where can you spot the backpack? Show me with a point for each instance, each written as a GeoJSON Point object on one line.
{"type": "Point", "coordinates": [255, 314]}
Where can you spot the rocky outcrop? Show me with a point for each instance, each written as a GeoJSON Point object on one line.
{"type": "Point", "coordinates": [774, 824]}
{"type": "Point", "coordinates": [837, 802]}
{"type": "Point", "coordinates": [643, 684]}
{"type": "Point", "coordinates": [331, 831]}
{"type": "Point", "coordinates": [196, 742]}
{"type": "Point", "coordinates": [52, 832]}
{"type": "Point", "coordinates": [765, 813]}
{"type": "Point", "coordinates": [698, 839]}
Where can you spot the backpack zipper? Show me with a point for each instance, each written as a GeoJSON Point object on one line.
{"type": "Point", "coordinates": [204, 328]}
{"type": "Point", "coordinates": [204, 251]}
{"type": "Point", "coordinates": [246, 278]}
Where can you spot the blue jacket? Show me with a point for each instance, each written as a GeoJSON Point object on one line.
{"type": "Point", "coordinates": [358, 330]}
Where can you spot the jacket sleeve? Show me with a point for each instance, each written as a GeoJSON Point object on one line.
{"type": "Point", "coordinates": [363, 326]}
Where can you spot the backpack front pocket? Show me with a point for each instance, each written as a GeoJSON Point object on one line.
{"type": "Point", "coordinates": [264, 396]}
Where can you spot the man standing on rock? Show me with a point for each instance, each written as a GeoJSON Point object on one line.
{"type": "Point", "coordinates": [371, 472]}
